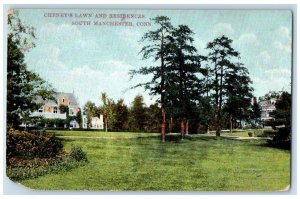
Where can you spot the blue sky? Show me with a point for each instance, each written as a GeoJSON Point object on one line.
{"type": "Point", "coordinates": [93, 59]}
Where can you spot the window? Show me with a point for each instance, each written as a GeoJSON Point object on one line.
{"type": "Point", "coordinates": [71, 112]}
{"type": "Point", "coordinates": [55, 110]}
{"type": "Point", "coordinates": [63, 100]}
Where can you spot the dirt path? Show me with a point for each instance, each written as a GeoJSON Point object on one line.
{"type": "Point", "coordinates": [102, 137]}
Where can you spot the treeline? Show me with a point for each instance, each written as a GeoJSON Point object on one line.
{"type": "Point", "coordinates": [212, 90]}
{"type": "Point", "coordinates": [119, 117]}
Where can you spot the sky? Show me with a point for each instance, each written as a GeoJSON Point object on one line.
{"type": "Point", "coordinates": [90, 59]}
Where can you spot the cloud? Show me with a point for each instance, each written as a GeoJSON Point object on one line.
{"type": "Point", "coordinates": [223, 29]}
{"type": "Point", "coordinates": [248, 45]}
{"type": "Point", "coordinates": [285, 31]}
{"type": "Point", "coordinates": [248, 38]}
{"type": "Point", "coordinates": [66, 34]}
{"type": "Point", "coordinates": [284, 40]}
{"type": "Point", "coordinates": [286, 47]}
{"type": "Point", "coordinates": [263, 59]}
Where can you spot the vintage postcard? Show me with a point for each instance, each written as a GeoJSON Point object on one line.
{"type": "Point", "coordinates": [149, 100]}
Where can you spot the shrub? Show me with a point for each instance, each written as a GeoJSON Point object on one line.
{"type": "Point", "coordinates": [54, 166]}
{"type": "Point", "coordinates": [269, 133]}
{"type": "Point", "coordinates": [28, 145]}
{"type": "Point", "coordinates": [282, 139]}
{"type": "Point", "coordinates": [78, 154]}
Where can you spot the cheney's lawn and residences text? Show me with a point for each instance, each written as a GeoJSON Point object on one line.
{"type": "Point", "coordinates": [102, 19]}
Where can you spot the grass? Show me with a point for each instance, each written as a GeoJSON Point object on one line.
{"type": "Point", "coordinates": [196, 164]}
{"type": "Point", "coordinates": [102, 134]}
{"type": "Point", "coordinates": [257, 133]}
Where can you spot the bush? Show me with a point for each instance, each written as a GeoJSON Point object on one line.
{"type": "Point", "coordinates": [269, 133]}
{"type": "Point", "coordinates": [282, 139]}
{"type": "Point", "coordinates": [28, 145]}
{"type": "Point", "coordinates": [54, 166]}
{"type": "Point", "coordinates": [78, 154]}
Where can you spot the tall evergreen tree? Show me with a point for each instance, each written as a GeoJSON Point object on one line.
{"type": "Point", "coordinates": [156, 42]}
{"type": "Point", "coordinates": [282, 120]}
{"type": "Point", "coordinates": [183, 69]}
{"type": "Point", "coordinates": [238, 92]}
{"type": "Point", "coordinates": [221, 57]}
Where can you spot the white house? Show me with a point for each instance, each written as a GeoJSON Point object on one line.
{"type": "Point", "coordinates": [267, 107]}
{"type": "Point", "coordinates": [96, 122]}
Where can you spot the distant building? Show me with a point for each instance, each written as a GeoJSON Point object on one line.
{"type": "Point", "coordinates": [96, 122]}
{"type": "Point", "coordinates": [267, 107]}
{"type": "Point", "coordinates": [50, 109]}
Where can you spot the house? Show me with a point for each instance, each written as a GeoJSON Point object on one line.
{"type": "Point", "coordinates": [267, 107]}
{"type": "Point", "coordinates": [51, 109]}
{"type": "Point", "coordinates": [96, 122]}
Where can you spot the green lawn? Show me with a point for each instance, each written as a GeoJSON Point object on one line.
{"type": "Point", "coordinates": [196, 164]}
{"type": "Point", "coordinates": [258, 132]}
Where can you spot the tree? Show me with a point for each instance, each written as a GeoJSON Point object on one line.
{"type": "Point", "coordinates": [108, 111]}
{"type": "Point", "coordinates": [270, 96]}
{"type": "Point", "coordinates": [182, 82]}
{"type": "Point", "coordinates": [256, 112]}
{"type": "Point", "coordinates": [79, 118]}
{"type": "Point", "coordinates": [206, 112]}
{"type": "Point", "coordinates": [90, 110]}
{"type": "Point", "coordinates": [121, 115]}
{"type": "Point", "coordinates": [137, 112]}
{"type": "Point", "coordinates": [153, 118]}
{"type": "Point", "coordinates": [23, 86]}
{"type": "Point", "coordinates": [221, 57]}
{"type": "Point", "coordinates": [156, 48]}
{"type": "Point", "coordinates": [238, 90]}
{"type": "Point", "coordinates": [282, 120]}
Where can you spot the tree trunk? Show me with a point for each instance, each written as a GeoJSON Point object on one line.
{"type": "Point", "coordinates": [218, 127]}
{"type": "Point", "coordinates": [171, 125]}
{"type": "Point", "coordinates": [187, 127]}
{"type": "Point", "coordinates": [207, 129]}
{"type": "Point", "coordinates": [162, 90]}
{"type": "Point", "coordinates": [182, 128]}
{"type": "Point", "coordinates": [163, 125]}
{"type": "Point", "coordinates": [230, 123]}
{"type": "Point", "coordinates": [106, 120]}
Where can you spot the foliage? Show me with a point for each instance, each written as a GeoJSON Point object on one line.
{"type": "Point", "coordinates": [230, 84]}
{"type": "Point", "coordinates": [156, 48]}
{"type": "Point", "coordinates": [42, 168]}
{"type": "Point", "coordinates": [153, 118]}
{"type": "Point", "coordinates": [90, 110]}
{"type": "Point", "coordinates": [50, 122]}
{"type": "Point", "coordinates": [270, 95]}
{"type": "Point", "coordinates": [282, 117]}
{"type": "Point", "coordinates": [78, 154]}
{"type": "Point", "coordinates": [256, 112]}
{"type": "Point", "coordinates": [28, 145]}
{"type": "Point", "coordinates": [78, 118]}
{"type": "Point", "coordinates": [108, 111]}
{"type": "Point", "coordinates": [23, 86]}
{"type": "Point", "coordinates": [63, 108]}
{"type": "Point", "coordinates": [121, 116]}
{"type": "Point", "coordinates": [137, 118]}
